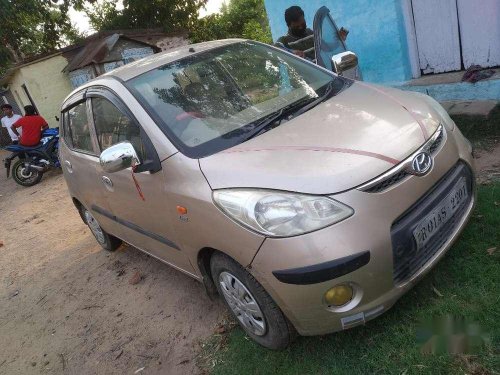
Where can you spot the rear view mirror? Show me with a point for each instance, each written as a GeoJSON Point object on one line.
{"type": "Point", "coordinates": [344, 61]}
{"type": "Point", "coordinates": [118, 157]}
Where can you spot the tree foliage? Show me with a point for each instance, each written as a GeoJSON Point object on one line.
{"type": "Point", "coordinates": [238, 19]}
{"type": "Point", "coordinates": [29, 27]}
{"type": "Point", "coordinates": [170, 15]}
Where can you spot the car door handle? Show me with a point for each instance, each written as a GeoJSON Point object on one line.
{"type": "Point", "coordinates": [69, 167]}
{"type": "Point", "coordinates": [107, 181]}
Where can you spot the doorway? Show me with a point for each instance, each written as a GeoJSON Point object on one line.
{"type": "Point", "coordinates": [453, 35]}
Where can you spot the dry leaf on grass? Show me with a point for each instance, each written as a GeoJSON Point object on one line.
{"type": "Point", "coordinates": [220, 330]}
{"type": "Point", "coordinates": [437, 292]}
{"type": "Point", "coordinates": [491, 250]}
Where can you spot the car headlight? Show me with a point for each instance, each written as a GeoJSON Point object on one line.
{"type": "Point", "coordinates": [280, 214]}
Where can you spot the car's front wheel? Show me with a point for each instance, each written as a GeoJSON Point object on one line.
{"type": "Point", "coordinates": [251, 305]}
{"type": "Point", "coordinates": [106, 240]}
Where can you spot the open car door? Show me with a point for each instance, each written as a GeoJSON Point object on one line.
{"type": "Point", "coordinates": [331, 52]}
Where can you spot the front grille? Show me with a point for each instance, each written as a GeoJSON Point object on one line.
{"type": "Point", "coordinates": [393, 178]}
{"type": "Point", "coordinates": [437, 142]}
{"type": "Point", "coordinates": [407, 260]}
{"type": "Point", "coordinates": [384, 184]}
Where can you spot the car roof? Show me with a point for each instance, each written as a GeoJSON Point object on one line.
{"type": "Point", "coordinates": [138, 67]}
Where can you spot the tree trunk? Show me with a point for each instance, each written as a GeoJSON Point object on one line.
{"type": "Point", "coordinates": [17, 56]}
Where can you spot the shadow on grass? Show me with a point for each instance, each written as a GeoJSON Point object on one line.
{"type": "Point", "coordinates": [467, 280]}
{"type": "Point", "coordinates": [480, 130]}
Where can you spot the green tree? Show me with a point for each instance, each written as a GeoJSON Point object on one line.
{"type": "Point", "coordinates": [238, 19]}
{"type": "Point", "coordinates": [30, 27]}
{"type": "Point", "coordinates": [170, 15]}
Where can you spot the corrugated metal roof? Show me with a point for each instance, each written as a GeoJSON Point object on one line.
{"type": "Point", "coordinates": [96, 50]}
{"type": "Point", "coordinates": [93, 52]}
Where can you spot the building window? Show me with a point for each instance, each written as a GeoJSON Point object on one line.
{"type": "Point", "coordinates": [133, 54]}
{"type": "Point", "coordinates": [109, 66]}
{"type": "Point", "coordinates": [79, 77]}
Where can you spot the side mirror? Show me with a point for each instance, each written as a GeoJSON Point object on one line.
{"type": "Point", "coordinates": [344, 61]}
{"type": "Point", "coordinates": [118, 157]}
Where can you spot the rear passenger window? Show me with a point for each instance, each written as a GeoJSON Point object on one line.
{"type": "Point", "coordinates": [112, 126]}
{"type": "Point", "coordinates": [77, 128]}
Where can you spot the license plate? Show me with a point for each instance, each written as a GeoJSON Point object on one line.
{"type": "Point", "coordinates": [431, 224]}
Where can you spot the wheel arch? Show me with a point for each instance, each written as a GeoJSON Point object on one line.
{"type": "Point", "coordinates": [203, 261]}
{"type": "Point", "coordinates": [79, 206]}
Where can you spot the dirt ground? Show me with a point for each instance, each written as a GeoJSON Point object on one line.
{"type": "Point", "coordinates": [68, 307]}
{"type": "Point", "coordinates": [488, 164]}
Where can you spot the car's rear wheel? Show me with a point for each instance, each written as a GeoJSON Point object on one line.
{"type": "Point", "coordinates": [106, 240]}
{"type": "Point", "coordinates": [250, 304]}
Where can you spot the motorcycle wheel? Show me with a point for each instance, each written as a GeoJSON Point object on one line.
{"type": "Point", "coordinates": [23, 177]}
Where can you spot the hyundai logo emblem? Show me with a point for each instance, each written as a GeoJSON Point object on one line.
{"type": "Point", "coordinates": [421, 163]}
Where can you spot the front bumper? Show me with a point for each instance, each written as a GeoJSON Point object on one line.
{"type": "Point", "coordinates": [368, 230]}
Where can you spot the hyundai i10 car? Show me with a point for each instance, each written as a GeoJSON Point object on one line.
{"type": "Point", "coordinates": [308, 201]}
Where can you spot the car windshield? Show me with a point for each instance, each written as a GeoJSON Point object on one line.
{"type": "Point", "coordinates": [214, 100]}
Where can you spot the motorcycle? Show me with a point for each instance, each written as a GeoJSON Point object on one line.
{"type": "Point", "coordinates": [34, 161]}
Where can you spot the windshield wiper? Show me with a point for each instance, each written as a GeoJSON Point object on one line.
{"type": "Point", "coordinates": [322, 98]}
{"type": "Point", "coordinates": [264, 124]}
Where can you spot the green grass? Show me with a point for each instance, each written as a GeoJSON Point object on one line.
{"type": "Point", "coordinates": [468, 279]}
{"type": "Point", "coordinates": [480, 130]}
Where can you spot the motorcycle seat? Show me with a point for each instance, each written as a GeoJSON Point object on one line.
{"type": "Point", "coordinates": [18, 148]}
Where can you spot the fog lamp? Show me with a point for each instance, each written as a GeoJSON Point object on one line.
{"type": "Point", "coordinates": [339, 295]}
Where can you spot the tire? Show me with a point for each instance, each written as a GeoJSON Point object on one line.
{"type": "Point", "coordinates": [265, 324]}
{"type": "Point", "coordinates": [107, 241]}
{"type": "Point", "coordinates": [22, 177]}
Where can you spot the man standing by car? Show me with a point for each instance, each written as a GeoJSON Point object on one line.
{"type": "Point", "coordinates": [8, 120]}
{"type": "Point", "coordinates": [32, 126]}
{"type": "Point", "coordinates": [298, 33]}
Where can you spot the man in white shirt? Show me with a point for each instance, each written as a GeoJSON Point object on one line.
{"type": "Point", "coordinates": [8, 120]}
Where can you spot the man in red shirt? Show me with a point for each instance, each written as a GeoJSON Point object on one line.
{"type": "Point", "coordinates": [32, 125]}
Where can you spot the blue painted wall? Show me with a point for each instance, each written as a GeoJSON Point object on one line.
{"type": "Point", "coordinates": [376, 33]}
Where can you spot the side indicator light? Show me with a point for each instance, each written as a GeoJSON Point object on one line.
{"type": "Point", "coordinates": [182, 210]}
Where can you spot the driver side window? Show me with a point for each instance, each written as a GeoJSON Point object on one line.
{"type": "Point", "coordinates": [112, 127]}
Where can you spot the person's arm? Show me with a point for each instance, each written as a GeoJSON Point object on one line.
{"type": "Point", "coordinates": [14, 128]}
{"type": "Point", "coordinates": [299, 53]}
{"type": "Point", "coordinates": [280, 43]}
{"type": "Point", "coordinates": [44, 125]}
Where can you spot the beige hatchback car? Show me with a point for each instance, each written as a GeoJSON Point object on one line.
{"type": "Point", "coordinates": [308, 201]}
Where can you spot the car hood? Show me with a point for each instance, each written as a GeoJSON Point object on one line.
{"type": "Point", "coordinates": [343, 142]}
